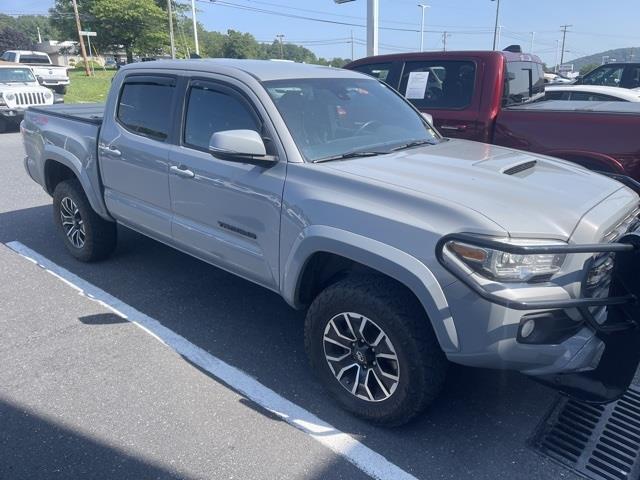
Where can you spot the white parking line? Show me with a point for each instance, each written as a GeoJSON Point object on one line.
{"type": "Point", "coordinates": [339, 442]}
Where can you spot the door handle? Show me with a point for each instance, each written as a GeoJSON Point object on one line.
{"type": "Point", "coordinates": [182, 171]}
{"type": "Point", "coordinates": [454, 128]}
{"type": "Point", "coordinates": [110, 150]}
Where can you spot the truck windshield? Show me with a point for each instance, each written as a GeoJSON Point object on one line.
{"type": "Point", "coordinates": [39, 59]}
{"type": "Point", "coordinates": [16, 75]}
{"type": "Point", "coordinates": [333, 117]}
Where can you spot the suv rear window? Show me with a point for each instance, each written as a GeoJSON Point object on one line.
{"type": "Point", "coordinates": [439, 84]}
{"type": "Point", "coordinates": [524, 83]}
{"type": "Point", "coordinates": [145, 106]}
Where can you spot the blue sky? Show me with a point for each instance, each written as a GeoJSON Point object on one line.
{"type": "Point", "coordinates": [597, 25]}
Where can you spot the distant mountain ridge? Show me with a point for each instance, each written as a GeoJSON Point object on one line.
{"type": "Point", "coordinates": [628, 54]}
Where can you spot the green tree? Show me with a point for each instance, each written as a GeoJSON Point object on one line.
{"type": "Point", "coordinates": [12, 39]}
{"type": "Point", "coordinates": [29, 25]}
{"type": "Point", "coordinates": [587, 68]}
{"type": "Point", "coordinates": [135, 26]}
{"type": "Point", "coordinates": [239, 45]}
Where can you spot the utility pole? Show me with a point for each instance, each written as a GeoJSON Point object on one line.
{"type": "Point", "coordinates": [173, 43]}
{"type": "Point", "coordinates": [352, 54]}
{"type": "Point", "coordinates": [555, 68]}
{"type": "Point", "coordinates": [87, 71]}
{"type": "Point", "coordinates": [496, 28]}
{"type": "Point", "coordinates": [195, 26]}
{"type": "Point", "coordinates": [373, 14]}
{"type": "Point", "coordinates": [444, 40]}
{"type": "Point", "coordinates": [40, 36]}
{"type": "Point", "coordinates": [280, 37]}
{"type": "Point", "coordinates": [533, 36]}
{"type": "Point", "coordinates": [564, 37]}
{"type": "Point", "coordinates": [423, 7]}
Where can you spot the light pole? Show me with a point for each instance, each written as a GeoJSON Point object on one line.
{"type": "Point", "coordinates": [533, 36]}
{"type": "Point", "coordinates": [373, 14]}
{"type": "Point", "coordinates": [195, 26]}
{"type": "Point", "coordinates": [173, 43]}
{"type": "Point", "coordinates": [495, 28]}
{"type": "Point", "coordinates": [280, 37]}
{"type": "Point", "coordinates": [423, 7]}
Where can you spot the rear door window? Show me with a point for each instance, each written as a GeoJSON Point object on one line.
{"type": "Point", "coordinates": [439, 84]}
{"type": "Point", "coordinates": [376, 70]}
{"type": "Point", "coordinates": [524, 83]}
{"type": "Point", "coordinates": [145, 105]}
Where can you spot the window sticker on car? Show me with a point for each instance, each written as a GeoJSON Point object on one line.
{"type": "Point", "coordinates": [417, 85]}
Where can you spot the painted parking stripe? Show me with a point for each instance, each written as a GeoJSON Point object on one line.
{"type": "Point", "coordinates": [339, 442]}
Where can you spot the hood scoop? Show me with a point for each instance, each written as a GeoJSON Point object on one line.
{"type": "Point", "coordinates": [520, 167]}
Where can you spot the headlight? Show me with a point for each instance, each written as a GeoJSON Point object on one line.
{"type": "Point", "coordinates": [508, 267]}
{"type": "Point", "coordinates": [48, 95]}
{"type": "Point", "coordinates": [10, 97]}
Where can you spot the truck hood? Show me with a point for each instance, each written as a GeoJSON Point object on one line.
{"type": "Point", "coordinates": [528, 195]}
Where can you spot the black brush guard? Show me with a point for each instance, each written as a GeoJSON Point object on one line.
{"type": "Point", "coordinates": [620, 333]}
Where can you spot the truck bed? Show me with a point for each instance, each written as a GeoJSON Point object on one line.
{"type": "Point", "coordinates": [84, 112]}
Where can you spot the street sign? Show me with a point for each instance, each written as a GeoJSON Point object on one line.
{"type": "Point", "coordinates": [566, 68]}
{"type": "Point", "coordinates": [88, 34]}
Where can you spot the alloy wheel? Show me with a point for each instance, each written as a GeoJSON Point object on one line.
{"type": "Point", "coordinates": [72, 222]}
{"type": "Point", "coordinates": [361, 356]}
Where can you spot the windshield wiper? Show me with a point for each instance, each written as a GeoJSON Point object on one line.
{"type": "Point", "coordinates": [344, 156]}
{"type": "Point", "coordinates": [414, 143]}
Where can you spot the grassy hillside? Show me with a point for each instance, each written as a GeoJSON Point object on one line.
{"type": "Point", "coordinates": [628, 54]}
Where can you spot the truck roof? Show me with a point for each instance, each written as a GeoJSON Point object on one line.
{"type": "Point", "coordinates": [27, 52]}
{"type": "Point", "coordinates": [263, 70]}
{"type": "Point", "coordinates": [486, 54]}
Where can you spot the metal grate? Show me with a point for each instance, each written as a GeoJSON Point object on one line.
{"type": "Point", "coordinates": [601, 442]}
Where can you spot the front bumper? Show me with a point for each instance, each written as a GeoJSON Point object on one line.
{"type": "Point", "coordinates": [597, 361]}
{"type": "Point", "coordinates": [12, 114]}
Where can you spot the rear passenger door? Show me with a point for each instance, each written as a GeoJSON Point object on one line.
{"type": "Point", "coordinates": [134, 153]}
{"type": "Point", "coordinates": [445, 89]}
{"type": "Point", "coordinates": [226, 212]}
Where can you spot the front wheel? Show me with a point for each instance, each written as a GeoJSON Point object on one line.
{"type": "Point", "coordinates": [373, 348]}
{"type": "Point", "coordinates": [61, 89]}
{"type": "Point", "coordinates": [87, 236]}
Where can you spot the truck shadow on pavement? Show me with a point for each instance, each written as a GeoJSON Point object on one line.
{"type": "Point", "coordinates": [479, 426]}
{"type": "Point", "coordinates": [34, 447]}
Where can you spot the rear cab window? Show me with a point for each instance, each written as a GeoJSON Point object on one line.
{"type": "Point", "coordinates": [524, 82]}
{"type": "Point", "coordinates": [445, 84]}
{"type": "Point", "coordinates": [145, 105]}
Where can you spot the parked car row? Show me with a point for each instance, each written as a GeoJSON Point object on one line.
{"type": "Point", "coordinates": [408, 250]}
{"type": "Point", "coordinates": [494, 97]}
{"type": "Point", "coordinates": [47, 74]}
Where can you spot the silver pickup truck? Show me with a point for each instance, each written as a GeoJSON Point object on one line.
{"type": "Point", "coordinates": [408, 250]}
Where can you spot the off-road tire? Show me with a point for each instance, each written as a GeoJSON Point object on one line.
{"type": "Point", "coordinates": [100, 235]}
{"type": "Point", "coordinates": [422, 363]}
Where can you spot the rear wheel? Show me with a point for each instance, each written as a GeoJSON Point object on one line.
{"type": "Point", "coordinates": [374, 350]}
{"type": "Point", "coordinates": [87, 236]}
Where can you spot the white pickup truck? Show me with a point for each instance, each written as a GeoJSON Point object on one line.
{"type": "Point", "coordinates": [48, 74]}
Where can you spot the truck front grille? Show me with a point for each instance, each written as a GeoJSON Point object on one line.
{"type": "Point", "coordinates": [598, 278]}
{"type": "Point", "coordinates": [24, 99]}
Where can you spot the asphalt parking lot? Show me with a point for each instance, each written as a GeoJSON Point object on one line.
{"type": "Point", "coordinates": [86, 394]}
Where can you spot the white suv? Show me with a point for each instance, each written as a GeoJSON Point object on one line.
{"type": "Point", "coordinates": [19, 90]}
